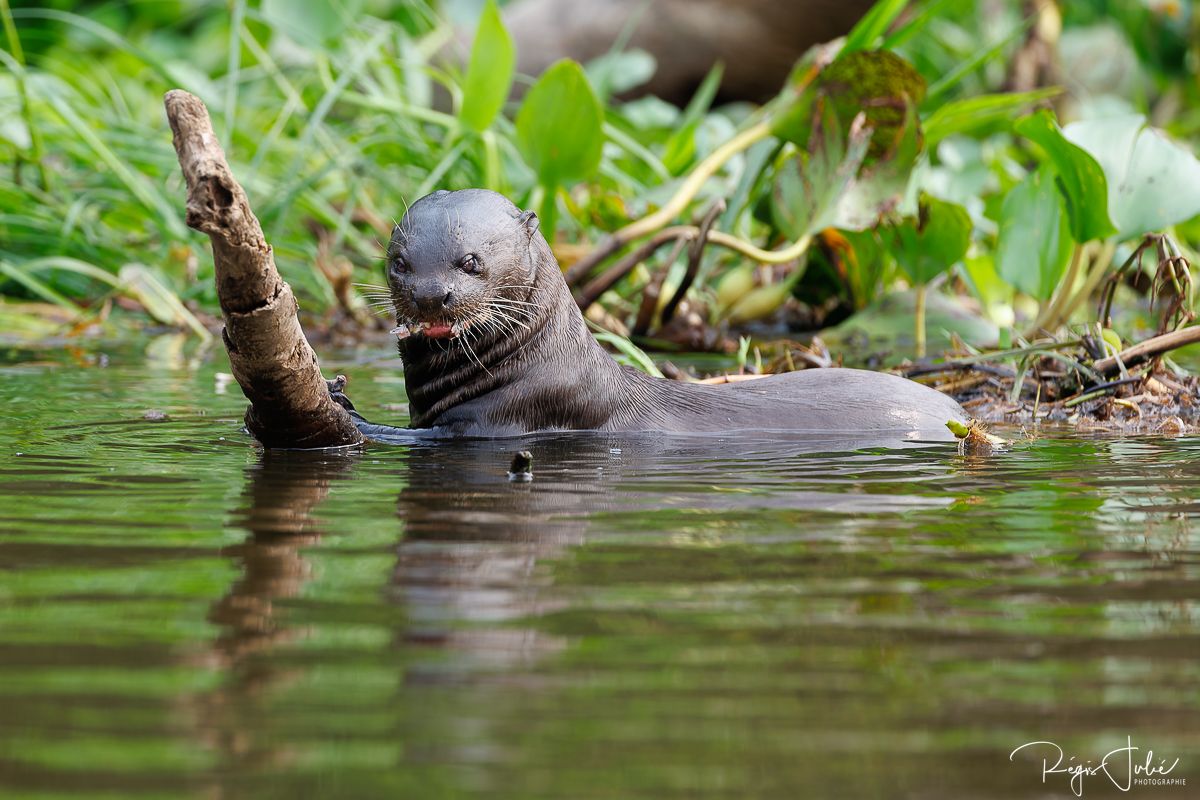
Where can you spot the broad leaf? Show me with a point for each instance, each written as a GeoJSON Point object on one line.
{"type": "Point", "coordinates": [934, 241]}
{"type": "Point", "coordinates": [490, 72]}
{"type": "Point", "coordinates": [887, 325]}
{"type": "Point", "coordinates": [1152, 182]}
{"type": "Point", "coordinates": [881, 184]}
{"type": "Point", "coordinates": [881, 89]}
{"type": "Point", "coordinates": [792, 116]}
{"type": "Point", "coordinates": [559, 126]}
{"type": "Point", "coordinates": [619, 71]}
{"type": "Point", "coordinates": [1079, 177]}
{"type": "Point", "coordinates": [1035, 239]}
{"type": "Point", "coordinates": [879, 84]}
{"type": "Point", "coordinates": [810, 185]}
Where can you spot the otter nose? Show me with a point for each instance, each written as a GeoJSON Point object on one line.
{"type": "Point", "coordinates": [432, 298]}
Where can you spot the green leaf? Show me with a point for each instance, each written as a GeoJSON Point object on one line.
{"type": "Point", "coordinates": [628, 353]}
{"type": "Point", "coordinates": [1035, 240]}
{"type": "Point", "coordinates": [135, 181]}
{"type": "Point", "coordinates": [1152, 182]}
{"type": "Point", "coordinates": [951, 79]}
{"type": "Point", "coordinates": [879, 84]}
{"type": "Point", "coordinates": [810, 185]}
{"type": "Point", "coordinates": [680, 148]}
{"type": "Point", "coordinates": [35, 286]}
{"type": "Point", "coordinates": [314, 22]}
{"type": "Point", "coordinates": [913, 24]}
{"type": "Point", "coordinates": [1080, 177]}
{"type": "Point", "coordinates": [619, 71]}
{"type": "Point", "coordinates": [883, 91]}
{"type": "Point", "coordinates": [934, 241]}
{"type": "Point", "coordinates": [792, 113]}
{"type": "Point", "coordinates": [873, 25]}
{"type": "Point", "coordinates": [881, 184]}
{"type": "Point", "coordinates": [993, 291]}
{"type": "Point", "coordinates": [161, 303]}
{"type": "Point", "coordinates": [887, 325]}
{"type": "Point", "coordinates": [559, 126]}
{"type": "Point", "coordinates": [490, 72]}
{"type": "Point", "coordinates": [976, 113]}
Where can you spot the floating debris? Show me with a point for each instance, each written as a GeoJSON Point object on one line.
{"type": "Point", "coordinates": [973, 438]}
{"type": "Point", "coordinates": [521, 469]}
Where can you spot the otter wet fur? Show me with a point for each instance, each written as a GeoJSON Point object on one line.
{"type": "Point", "coordinates": [493, 344]}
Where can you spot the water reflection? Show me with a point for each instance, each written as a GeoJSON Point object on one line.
{"type": "Point", "coordinates": [282, 492]}
{"type": "Point", "coordinates": [657, 617]}
{"type": "Point", "coordinates": [736, 617]}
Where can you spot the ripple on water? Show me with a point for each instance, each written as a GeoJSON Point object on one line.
{"type": "Point", "coordinates": [736, 616]}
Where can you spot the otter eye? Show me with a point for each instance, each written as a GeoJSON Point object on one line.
{"type": "Point", "coordinates": [470, 264]}
{"type": "Point", "coordinates": [400, 266]}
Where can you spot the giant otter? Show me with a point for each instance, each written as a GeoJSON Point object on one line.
{"type": "Point", "coordinates": [493, 345]}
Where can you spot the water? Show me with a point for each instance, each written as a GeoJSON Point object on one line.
{"type": "Point", "coordinates": [184, 616]}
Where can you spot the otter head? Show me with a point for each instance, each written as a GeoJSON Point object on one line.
{"type": "Point", "coordinates": [460, 259]}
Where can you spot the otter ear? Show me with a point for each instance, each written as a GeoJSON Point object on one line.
{"type": "Point", "coordinates": [529, 221]}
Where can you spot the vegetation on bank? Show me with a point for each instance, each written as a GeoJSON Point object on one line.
{"type": "Point", "coordinates": [1019, 159]}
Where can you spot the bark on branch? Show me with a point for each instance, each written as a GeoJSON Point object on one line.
{"type": "Point", "coordinates": [1157, 345]}
{"type": "Point", "coordinates": [290, 405]}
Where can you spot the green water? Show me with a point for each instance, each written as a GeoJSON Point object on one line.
{"type": "Point", "coordinates": [184, 616]}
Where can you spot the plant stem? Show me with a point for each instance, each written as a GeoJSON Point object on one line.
{"type": "Point", "coordinates": [919, 320]}
{"type": "Point", "coordinates": [548, 213]}
{"type": "Point", "coordinates": [233, 68]}
{"type": "Point", "coordinates": [1096, 272]}
{"type": "Point", "coordinates": [678, 202]}
{"type": "Point", "coordinates": [789, 253]}
{"type": "Point", "coordinates": [35, 136]}
{"type": "Point", "coordinates": [695, 180]}
{"type": "Point", "coordinates": [606, 280]}
{"type": "Point", "coordinates": [1049, 318]}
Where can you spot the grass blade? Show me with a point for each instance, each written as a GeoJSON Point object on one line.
{"type": "Point", "coordinates": [873, 25]}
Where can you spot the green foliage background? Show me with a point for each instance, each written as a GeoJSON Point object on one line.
{"type": "Point", "coordinates": [332, 121]}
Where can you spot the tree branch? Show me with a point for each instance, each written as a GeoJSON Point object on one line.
{"type": "Point", "coordinates": [1132, 356]}
{"type": "Point", "coordinates": [290, 405]}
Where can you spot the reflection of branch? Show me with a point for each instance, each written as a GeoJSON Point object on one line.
{"type": "Point", "coordinates": [283, 490]}
{"type": "Point", "coordinates": [281, 493]}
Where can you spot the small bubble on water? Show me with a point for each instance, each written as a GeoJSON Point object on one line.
{"type": "Point", "coordinates": [616, 451]}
